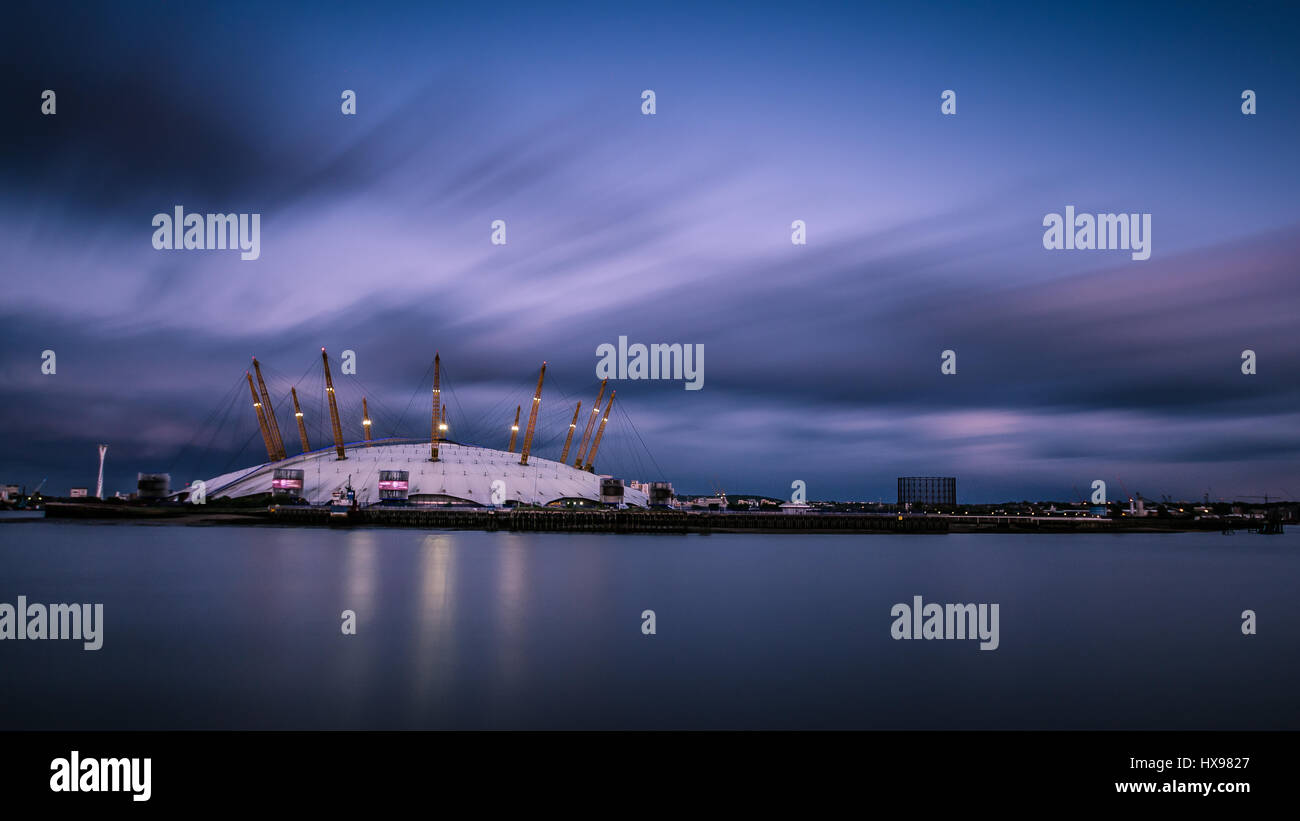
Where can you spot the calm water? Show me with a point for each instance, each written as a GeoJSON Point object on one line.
{"type": "Point", "coordinates": [224, 627]}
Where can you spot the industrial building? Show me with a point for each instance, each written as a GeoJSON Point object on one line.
{"type": "Point", "coordinates": [153, 485]}
{"type": "Point", "coordinates": [935, 491]}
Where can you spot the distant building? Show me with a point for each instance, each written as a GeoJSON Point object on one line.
{"type": "Point", "coordinates": [658, 494]}
{"type": "Point", "coordinates": [78, 493]}
{"type": "Point", "coordinates": [661, 494]}
{"type": "Point", "coordinates": [1140, 509]}
{"type": "Point", "coordinates": [153, 485]}
{"type": "Point", "coordinates": [796, 507]}
{"type": "Point", "coordinates": [939, 491]}
{"type": "Point", "coordinates": [611, 490]}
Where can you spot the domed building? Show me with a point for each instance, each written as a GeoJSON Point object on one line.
{"type": "Point", "coordinates": [400, 472]}
{"type": "Point", "coordinates": [433, 471]}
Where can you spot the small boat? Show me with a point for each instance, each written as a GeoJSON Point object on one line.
{"type": "Point", "coordinates": [343, 501]}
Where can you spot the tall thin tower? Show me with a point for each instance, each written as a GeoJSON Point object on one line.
{"type": "Point", "coordinates": [297, 414]}
{"type": "Point", "coordinates": [271, 453]}
{"type": "Point", "coordinates": [600, 432]}
{"type": "Point", "coordinates": [436, 424]}
{"type": "Point", "coordinates": [514, 431]}
{"type": "Point", "coordinates": [568, 440]}
{"type": "Point", "coordinates": [532, 418]}
{"type": "Point", "coordinates": [99, 484]}
{"type": "Point", "coordinates": [272, 426]}
{"type": "Point", "coordinates": [334, 407]}
{"type": "Point", "coordinates": [591, 420]}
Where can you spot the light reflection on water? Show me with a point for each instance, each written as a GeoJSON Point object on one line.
{"type": "Point", "coordinates": [358, 578]}
{"type": "Point", "coordinates": [513, 605]}
{"type": "Point", "coordinates": [434, 649]}
{"type": "Point", "coordinates": [362, 570]}
{"type": "Point", "coordinates": [240, 628]}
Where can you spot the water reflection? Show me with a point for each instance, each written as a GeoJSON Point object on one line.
{"type": "Point", "coordinates": [362, 572]}
{"type": "Point", "coordinates": [239, 628]}
{"type": "Point", "coordinates": [434, 655]}
{"type": "Point", "coordinates": [358, 653]}
{"type": "Point", "coordinates": [513, 599]}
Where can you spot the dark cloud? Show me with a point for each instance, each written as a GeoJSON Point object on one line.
{"type": "Point", "coordinates": [822, 361]}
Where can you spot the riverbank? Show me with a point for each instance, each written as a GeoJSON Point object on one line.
{"type": "Point", "coordinates": [633, 521]}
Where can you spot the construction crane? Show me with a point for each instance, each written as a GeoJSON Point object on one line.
{"type": "Point", "coordinates": [532, 418]}
{"type": "Point", "coordinates": [1127, 495]}
{"type": "Point", "coordinates": [436, 424]}
{"type": "Point", "coordinates": [261, 420]}
{"type": "Point", "coordinates": [514, 431]}
{"type": "Point", "coordinates": [564, 454]}
{"type": "Point", "coordinates": [297, 414]}
{"type": "Point", "coordinates": [334, 408]}
{"type": "Point", "coordinates": [595, 445]}
{"type": "Point", "coordinates": [273, 427]}
{"type": "Point", "coordinates": [591, 420]}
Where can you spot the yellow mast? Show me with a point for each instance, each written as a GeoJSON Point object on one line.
{"type": "Point", "coordinates": [435, 423]}
{"type": "Point", "coordinates": [564, 454]}
{"type": "Point", "coordinates": [365, 420]}
{"type": "Point", "coordinates": [591, 457]}
{"type": "Point", "coordinates": [334, 408]}
{"type": "Point", "coordinates": [514, 431]}
{"type": "Point", "coordinates": [271, 424]}
{"type": "Point", "coordinates": [591, 420]}
{"type": "Point", "coordinates": [297, 414]}
{"type": "Point", "coordinates": [532, 417]}
{"type": "Point", "coordinates": [261, 420]}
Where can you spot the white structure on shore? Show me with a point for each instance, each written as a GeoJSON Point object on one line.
{"type": "Point", "coordinates": [463, 475]}
{"type": "Point", "coordinates": [99, 484]}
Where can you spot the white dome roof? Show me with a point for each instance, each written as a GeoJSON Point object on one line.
{"type": "Point", "coordinates": [461, 472]}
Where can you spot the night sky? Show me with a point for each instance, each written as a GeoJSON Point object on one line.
{"type": "Point", "coordinates": [821, 361]}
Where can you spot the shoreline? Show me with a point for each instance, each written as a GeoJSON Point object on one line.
{"type": "Point", "coordinates": [632, 521]}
